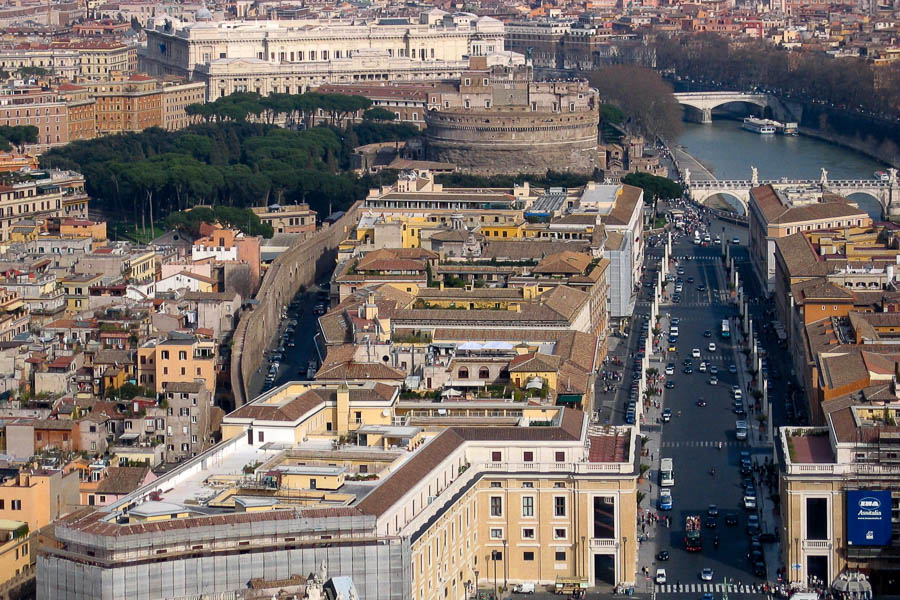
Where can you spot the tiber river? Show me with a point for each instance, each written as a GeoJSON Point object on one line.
{"type": "Point", "coordinates": [729, 151]}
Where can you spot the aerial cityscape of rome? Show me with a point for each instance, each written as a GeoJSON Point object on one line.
{"type": "Point", "coordinates": [449, 299]}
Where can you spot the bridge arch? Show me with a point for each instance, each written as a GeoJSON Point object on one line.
{"type": "Point", "coordinates": [740, 197]}
{"type": "Point", "coordinates": [869, 202]}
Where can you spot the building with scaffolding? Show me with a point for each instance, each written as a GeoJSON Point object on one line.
{"type": "Point", "coordinates": [314, 473]}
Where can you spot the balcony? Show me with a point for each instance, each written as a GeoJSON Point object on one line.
{"type": "Point", "coordinates": [816, 544]}
{"type": "Point", "coordinates": [603, 543]}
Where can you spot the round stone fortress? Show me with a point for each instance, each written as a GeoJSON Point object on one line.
{"type": "Point", "coordinates": [502, 121]}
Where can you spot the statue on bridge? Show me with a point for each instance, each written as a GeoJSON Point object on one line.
{"type": "Point", "coordinates": [823, 180]}
{"type": "Point", "coordinates": [892, 176]}
{"type": "Point", "coordinates": [754, 176]}
{"type": "Point", "coordinates": [687, 177]}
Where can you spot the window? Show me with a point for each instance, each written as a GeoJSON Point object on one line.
{"type": "Point", "coordinates": [527, 506]}
{"type": "Point", "coordinates": [496, 506]}
{"type": "Point", "coordinates": [260, 436]}
{"type": "Point", "coordinates": [528, 456]}
{"type": "Point", "coordinates": [495, 484]}
{"type": "Point", "coordinates": [560, 555]}
{"type": "Point", "coordinates": [357, 415]}
{"type": "Point", "coordinates": [496, 533]}
{"type": "Point", "coordinates": [560, 457]}
{"type": "Point", "coordinates": [182, 355]}
{"type": "Point", "coordinates": [559, 506]}
{"type": "Point", "coordinates": [15, 505]}
{"type": "Point", "coordinates": [484, 373]}
{"type": "Point", "coordinates": [165, 355]}
{"type": "Point", "coordinates": [528, 556]}
{"type": "Point", "coordinates": [560, 533]}
{"type": "Point", "coordinates": [527, 484]}
{"type": "Point", "coordinates": [496, 456]}
{"type": "Point", "coordinates": [463, 373]}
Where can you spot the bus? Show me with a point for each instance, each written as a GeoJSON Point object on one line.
{"type": "Point", "coordinates": [666, 472]}
{"type": "Point", "coordinates": [726, 329]}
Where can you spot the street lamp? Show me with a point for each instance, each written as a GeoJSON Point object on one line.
{"type": "Point", "coordinates": [475, 572]}
{"type": "Point", "coordinates": [505, 562]}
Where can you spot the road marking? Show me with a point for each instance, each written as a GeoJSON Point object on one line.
{"type": "Point", "coordinates": [703, 444]}
{"type": "Point", "coordinates": [697, 588]}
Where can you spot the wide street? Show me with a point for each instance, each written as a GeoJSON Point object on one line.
{"type": "Point", "coordinates": [692, 437]}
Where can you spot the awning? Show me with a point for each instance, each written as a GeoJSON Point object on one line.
{"type": "Point", "coordinates": [498, 346]}
{"type": "Point", "coordinates": [568, 399]}
{"type": "Point", "coordinates": [451, 393]}
{"type": "Point", "coordinates": [535, 383]}
{"type": "Point", "coordinates": [469, 346]}
{"type": "Point", "coordinates": [465, 383]}
{"type": "Point", "coordinates": [129, 436]}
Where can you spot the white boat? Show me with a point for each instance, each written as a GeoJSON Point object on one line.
{"type": "Point", "coordinates": [761, 126]}
{"type": "Point", "coordinates": [882, 176]}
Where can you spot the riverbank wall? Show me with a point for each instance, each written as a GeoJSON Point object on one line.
{"type": "Point", "coordinates": [295, 268]}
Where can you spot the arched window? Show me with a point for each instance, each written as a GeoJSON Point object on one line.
{"type": "Point", "coordinates": [484, 373]}
{"type": "Point", "coordinates": [463, 373]}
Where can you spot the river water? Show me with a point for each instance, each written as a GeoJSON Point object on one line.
{"type": "Point", "coordinates": [729, 151]}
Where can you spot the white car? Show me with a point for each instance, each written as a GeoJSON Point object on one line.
{"type": "Point", "coordinates": [706, 574]}
{"type": "Point", "coordinates": [712, 346]}
{"type": "Point", "coordinates": [695, 353]}
{"type": "Point", "coordinates": [660, 576]}
{"type": "Point", "coordinates": [670, 369]}
{"type": "Point", "coordinates": [702, 367]}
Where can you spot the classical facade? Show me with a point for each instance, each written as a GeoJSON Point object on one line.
{"type": "Point", "coordinates": [501, 121]}
{"type": "Point", "coordinates": [443, 512]}
{"type": "Point", "coordinates": [291, 56]}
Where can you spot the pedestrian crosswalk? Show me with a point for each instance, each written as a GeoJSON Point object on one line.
{"type": "Point", "coordinates": [699, 588]}
{"type": "Point", "coordinates": [703, 444]}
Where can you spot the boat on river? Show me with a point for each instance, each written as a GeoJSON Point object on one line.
{"type": "Point", "coordinates": [760, 126]}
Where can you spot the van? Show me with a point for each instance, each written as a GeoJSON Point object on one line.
{"type": "Point", "coordinates": [740, 430]}
{"type": "Point", "coordinates": [523, 588]}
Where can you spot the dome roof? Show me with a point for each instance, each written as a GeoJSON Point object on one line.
{"type": "Point", "coordinates": [203, 14]}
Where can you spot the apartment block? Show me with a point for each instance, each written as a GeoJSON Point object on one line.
{"type": "Point", "coordinates": [776, 214]}
{"type": "Point", "coordinates": [297, 218]}
{"type": "Point", "coordinates": [536, 502]}
{"type": "Point", "coordinates": [181, 358]}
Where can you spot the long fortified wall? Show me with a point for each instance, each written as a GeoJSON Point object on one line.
{"type": "Point", "coordinates": [513, 139]}
{"type": "Point", "coordinates": [298, 266]}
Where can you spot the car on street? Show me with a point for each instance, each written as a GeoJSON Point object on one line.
{"type": "Point", "coordinates": [707, 333]}
{"type": "Point", "coordinates": [665, 499]}
{"type": "Point", "coordinates": [676, 299]}
{"type": "Point", "coordinates": [666, 415]}
{"type": "Point", "coordinates": [629, 417]}
{"type": "Point", "coordinates": [702, 367]}
{"type": "Point", "coordinates": [690, 280]}
{"type": "Point", "coordinates": [670, 369]}
{"type": "Point", "coordinates": [712, 510]}
{"type": "Point", "coordinates": [687, 362]}
{"type": "Point", "coordinates": [713, 380]}
{"type": "Point", "coordinates": [660, 576]}
{"type": "Point", "coordinates": [731, 519]}
{"type": "Point", "coordinates": [701, 288]}
{"type": "Point", "coordinates": [706, 596]}
{"type": "Point", "coordinates": [712, 346]}
{"type": "Point", "coordinates": [713, 370]}
{"type": "Point", "coordinates": [710, 523]}
{"type": "Point", "coordinates": [749, 503]}
{"type": "Point", "coordinates": [523, 588]}
{"type": "Point", "coordinates": [695, 353]}
{"type": "Point", "coordinates": [662, 555]}
{"type": "Point", "coordinates": [675, 321]}
{"type": "Point", "coordinates": [732, 368]}
{"type": "Point", "coordinates": [706, 574]}
{"type": "Point", "coordinates": [688, 370]}
{"type": "Point", "coordinates": [759, 569]}
{"type": "Point", "coordinates": [701, 402]}
{"type": "Point", "coordinates": [735, 240]}
{"type": "Point", "coordinates": [670, 384]}
{"type": "Point", "coordinates": [672, 347]}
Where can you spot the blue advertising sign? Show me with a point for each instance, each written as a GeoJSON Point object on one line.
{"type": "Point", "coordinates": [868, 517]}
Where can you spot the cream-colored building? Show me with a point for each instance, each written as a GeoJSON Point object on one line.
{"type": "Point", "coordinates": [289, 56]}
{"type": "Point", "coordinates": [835, 474]}
{"type": "Point", "coordinates": [176, 96]}
{"type": "Point", "coordinates": [413, 513]}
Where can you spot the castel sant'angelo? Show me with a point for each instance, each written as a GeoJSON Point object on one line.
{"type": "Point", "coordinates": [502, 121]}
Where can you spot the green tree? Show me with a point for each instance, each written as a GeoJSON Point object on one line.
{"type": "Point", "coordinates": [655, 187]}
{"type": "Point", "coordinates": [379, 114]}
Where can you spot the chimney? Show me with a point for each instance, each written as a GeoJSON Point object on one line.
{"type": "Point", "coordinates": [342, 410]}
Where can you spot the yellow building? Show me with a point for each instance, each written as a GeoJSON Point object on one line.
{"type": "Point", "coordinates": [839, 491]}
{"type": "Point", "coordinates": [83, 228]}
{"type": "Point", "coordinates": [39, 497]}
{"type": "Point", "coordinates": [180, 358]}
{"type": "Point", "coordinates": [77, 289]}
{"type": "Point", "coordinates": [15, 558]}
